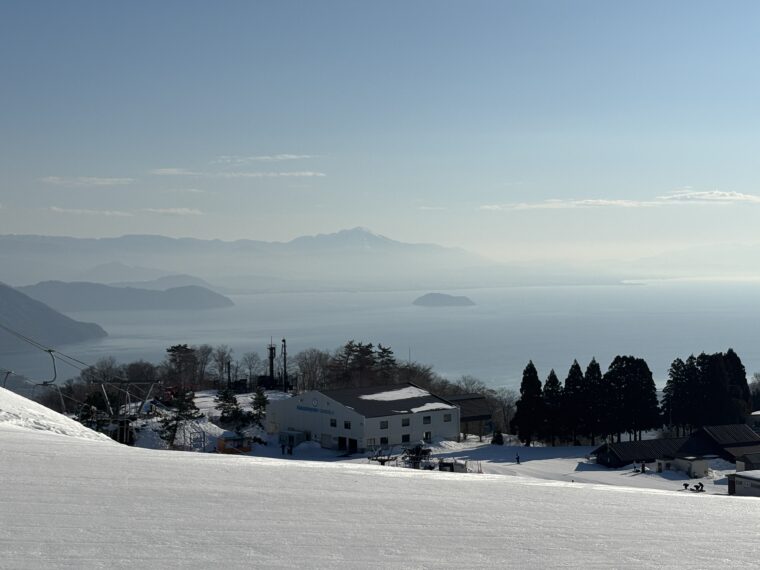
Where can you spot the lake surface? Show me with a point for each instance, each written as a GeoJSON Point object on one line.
{"type": "Point", "coordinates": [493, 340]}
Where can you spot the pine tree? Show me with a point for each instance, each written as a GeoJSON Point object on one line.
{"type": "Point", "coordinates": [595, 400]}
{"type": "Point", "coordinates": [574, 404]}
{"type": "Point", "coordinates": [553, 403]}
{"type": "Point", "coordinates": [634, 403]}
{"type": "Point", "coordinates": [259, 404]}
{"type": "Point", "coordinates": [184, 410]}
{"type": "Point", "coordinates": [529, 416]}
{"type": "Point", "coordinates": [738, 388]}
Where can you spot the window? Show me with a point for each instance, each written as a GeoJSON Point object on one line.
{"type": "Point", "coordinates": [347, 424]}
{"type": "Point", "coordinates": [428, 437]}
{"type": "Point", "coordinates": [404, 422]}
{"type": "Point", "coordinates": [405, 438]}
{"type": "Point", "coordinates": [425, 419]}
{"type": "Point", "coordinates": [446, 417]}
{"type": "Point", "coordinates": [383, 441]}
{"type": "Point", "coordinates": [333, 422]}
{"type": "Point", "coordinates": [384, 424]}
{"type": "Point", "coordinates": [370, 441]}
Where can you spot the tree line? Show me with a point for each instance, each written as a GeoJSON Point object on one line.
{"type": "Point", "coordinates": [709, 389]}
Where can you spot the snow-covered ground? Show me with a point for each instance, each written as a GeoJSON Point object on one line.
{"type": "Point", "coordinates": [69, 499]}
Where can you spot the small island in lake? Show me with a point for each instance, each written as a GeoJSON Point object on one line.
{"type": "Point", "coordinates": [442, 300]}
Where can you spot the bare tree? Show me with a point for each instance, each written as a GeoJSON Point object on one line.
{"type": "Point", "coordinates": [253, 365]}
{"type": "Point", "coordinates": [203, 354]}
{"type": "Point", "coordinates": [506, 399]}
{"type": "Point", "coordinates": [313, 366]}
{"type": "Point", "coordinates": [220, 357]}
{"type": "Point", "coordinates": [471, 385]}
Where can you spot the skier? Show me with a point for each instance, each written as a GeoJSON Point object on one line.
{"type": "Point", "coordinates": [517, 458]}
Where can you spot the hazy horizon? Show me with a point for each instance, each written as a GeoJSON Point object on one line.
{"type": "Point", "coordinates": [525, 132]}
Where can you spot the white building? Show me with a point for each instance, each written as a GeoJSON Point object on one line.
{"type": "Point", "coordinates": [357, 419]}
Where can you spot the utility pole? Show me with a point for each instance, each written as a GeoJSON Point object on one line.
{"type": "Point", "coordinates": [284, 366]}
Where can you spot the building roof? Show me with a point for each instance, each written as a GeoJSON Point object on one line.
{"type": "Point", "coordinates": [648, 449]}
{"type": "Point", "coordinates": [732, 435]}
{"type": "Point", "coordinates": [472, 407]}
{"type": "Point", "coordinates": [742, 450]}
{"type": "Point", "coordinates": [754, 475]}
{"type": "Point", "coordinates": [394, 400]}
{"type": "Point", "coordinates": [753, 457]}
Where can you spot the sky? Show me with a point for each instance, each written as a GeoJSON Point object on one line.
{"type": "Point", "coordinates": [532, 130]}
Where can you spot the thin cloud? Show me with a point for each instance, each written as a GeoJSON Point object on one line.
{"type": "Point", "coordinates": [431, 208]}
{"type": "Point", "coordinates": [174, 172]}
{"type": "Point", "coordinates": [84, 212]}
{"type": "Point", "coordinates": [86, 181]}
{"type": "Point", "coordinates": [710, 197]}
{"type": "Point", "coordinates": [238, 159]}
{"type": "Point", "coordinates": [174, 211]}
{"type": "Point", "coordinates": [555, 204]}
{"type": "Point", "coordinates": [678, 197]}
{"type": "Point", "coordinates": [298, 174]}
{"type": "Point", "coordinates": [232, 175]}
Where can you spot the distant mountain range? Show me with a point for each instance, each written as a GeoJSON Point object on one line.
{"type": "Point", "coordinates": [39, 322]}
{"type": "Point", "coordinates": [68, 297]}
{"type": "Point", "coordinates": [354, 259]}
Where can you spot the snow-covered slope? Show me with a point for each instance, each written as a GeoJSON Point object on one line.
{"type": "Point", "coordinates": [70, 502]}
{"type": "Point", "coordinates": [23, 413]}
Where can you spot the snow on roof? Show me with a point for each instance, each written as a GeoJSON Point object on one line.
{"type": "Point", "coordinates": [429, 407]}
{"type": "Point", "coordinates": [399, 394]}
{"type": "Point", "coordinates": [380, 401]}
{"type": "Point", "coordinates": [754, 474]}
{"type": "Point", "coordinates": [23, 413]}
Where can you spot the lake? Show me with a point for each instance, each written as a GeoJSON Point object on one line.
{"type": "Point", "coordinates": [492, 340]}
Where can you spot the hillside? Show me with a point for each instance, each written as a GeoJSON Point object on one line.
{"type": "Point", "coordinates": [70, 502]}
{"type": "Point", "coordinates": [37, 320]}
{"type": "Point", "coordinates": [96, 297]}
{"type": "Point", "coordinates": [442, 300]}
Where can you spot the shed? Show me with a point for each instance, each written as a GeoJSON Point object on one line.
{"type": "Point", "coordinates": [627, 452]}
{"type": "Point", "coordinates": [726, 441]}
{"type": "Point", "coordinates": [231, 442]}
{"type": "Point", "coordinates": [474, 414]}
{"type": "Point", "coordinates": [748, 462]}
{"type": "Point", "coordinates": [747, 484]}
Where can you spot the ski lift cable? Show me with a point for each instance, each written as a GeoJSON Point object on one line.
{"type": "Point", "coordinates": [64, 358]}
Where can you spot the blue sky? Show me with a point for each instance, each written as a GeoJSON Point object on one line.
{"type": "Point", "coordinates": [522, 130]}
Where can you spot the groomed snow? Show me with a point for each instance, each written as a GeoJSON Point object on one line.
{"type": "Point", "coordinates": [71, 502]}
{"type": "Point", "coordinates": [400, 394]}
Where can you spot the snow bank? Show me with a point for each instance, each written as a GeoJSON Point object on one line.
{"type": "Point", "coordinates": [21, 412]}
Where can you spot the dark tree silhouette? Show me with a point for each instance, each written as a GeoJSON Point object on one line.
{"type": "Point", "coordinates": [529, 417]}
{"type": "Point", "coordinates": [553, 403]}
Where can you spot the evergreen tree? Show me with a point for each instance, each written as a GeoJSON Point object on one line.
{"type": "Point", "coordinates": [553, 402]}
{"type": "Point", "coordinates": [738, 388]}
{"type": "Point", "coordinates": [574, 404]}
{"type": "Point", "coordinates": [184, 410]}
{"type": "Point", "coordinates": [634, 403]}
{"type": "Point", "coordinates": [232, 414]}
{"type": "Point", "coordinates": [594, 399]}
{"type": "Point", "coordinates": [529, 417]}
{"type": "Point", "coordinates": [676, 398]}
{"type": "Point", "coordinates": [259, 404]}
